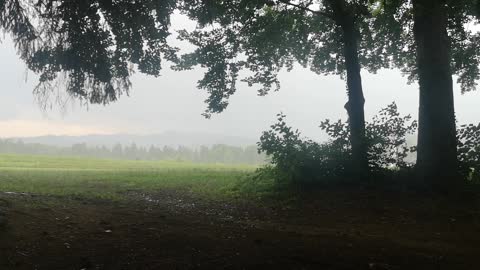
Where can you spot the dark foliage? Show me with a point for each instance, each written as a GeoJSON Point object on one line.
{"type": "Point", "coordinates": [468, 137]}
{"type": "Point", "coordinates": [387, 138]}
{"type": "Point", "coordinates": [298, 160]}
{"type": "Point", "coordinates": [264, 37]}
{"type": "Point", "coordinates": [91, 47]}
{"type": "Point", "coordinates": [295, 159]}
{"type": "Point", "coordinates": [394, 22]}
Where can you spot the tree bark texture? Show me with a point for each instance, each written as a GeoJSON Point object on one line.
{"type": "Point", "coordinates": [437, 145]}
{"type": "Point", "coordinates": [345, 19]}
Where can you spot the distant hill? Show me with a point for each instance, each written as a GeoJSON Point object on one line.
{"type": "Point", "coordinates": [170, 138]}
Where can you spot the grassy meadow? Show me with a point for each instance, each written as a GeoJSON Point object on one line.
{"type": "Point", "coordinates": [111, 179]}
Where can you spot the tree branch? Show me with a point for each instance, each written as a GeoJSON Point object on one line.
{"type": "Point", "coordinates": [306, 8]}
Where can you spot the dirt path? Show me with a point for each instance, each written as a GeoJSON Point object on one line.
{"type": "Point", "coordinates": [170, 230]}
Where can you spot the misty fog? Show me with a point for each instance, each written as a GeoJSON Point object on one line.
{"type": "Point", "coordinates": [173, 103]}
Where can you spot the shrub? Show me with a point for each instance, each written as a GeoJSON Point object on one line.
{"type": "Point", "coordinates": [387, 138]}
{"type": "Point", "coordinates": [468, 137]}
{"type": "Point", "coordinates": [298, 160]}
{"type": "Point", "coordinates": [295, 159]}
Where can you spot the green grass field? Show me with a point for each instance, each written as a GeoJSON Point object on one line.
{"type": "Point", "coordinates": [110, 179]}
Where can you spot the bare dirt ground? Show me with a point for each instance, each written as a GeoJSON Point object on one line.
{"type": "Point", "coordinates": [172, 230]}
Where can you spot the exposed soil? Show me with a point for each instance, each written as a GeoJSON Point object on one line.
{"type": "Point", "coordinates": [173, 230]}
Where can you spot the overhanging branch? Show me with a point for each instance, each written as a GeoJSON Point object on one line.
{"type": "Point", "coordinates": [306, 8]}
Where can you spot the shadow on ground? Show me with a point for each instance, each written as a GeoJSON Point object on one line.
{"type": "Point", "coordinates": [173, 230]}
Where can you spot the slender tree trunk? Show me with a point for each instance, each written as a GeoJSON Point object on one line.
{"type": "Point", "coordinates": [356, 100]}
{"type": "Point", "coordinates": [345, 18]}
{"type": "Point", "coordinates": [437, 149]}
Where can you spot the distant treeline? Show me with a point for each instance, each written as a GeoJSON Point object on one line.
{"type": "Point", "coordinates": [219, 153]}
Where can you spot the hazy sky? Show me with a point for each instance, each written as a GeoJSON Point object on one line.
{"type": "Point", "coordinates": [172, 102]}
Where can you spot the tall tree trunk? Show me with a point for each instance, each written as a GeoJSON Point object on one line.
{"type": "Point", "coordinates": [345, 18]}
{"type": "Point", "coordinates": [356, 100]}
{"type": "Point", "coordinates": [437, 146]}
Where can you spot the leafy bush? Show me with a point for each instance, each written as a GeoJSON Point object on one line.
{"type": "Point", "coordinates": [299, 160]}
{"type": "Point", "coordinates": [468, 137]}
{"type": "Point", "coordinates": [296, 159]}
{"type": "Point", "coordinates": [387, 138]}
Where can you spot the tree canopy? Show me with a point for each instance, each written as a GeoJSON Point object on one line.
{"type": "Point", "coordinates": [89, 46]}
{"type": "Point", "coordinates": [264, 37]}
{"type": "Point", "coordinates": [395, 23]}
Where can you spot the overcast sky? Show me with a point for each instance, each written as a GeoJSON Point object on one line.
{"type": "Point", "coordinates": [172, 103]}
